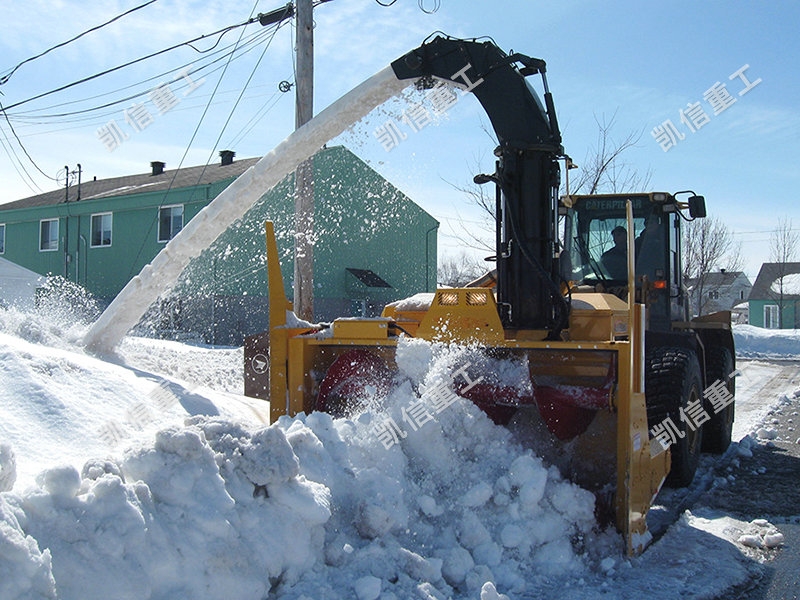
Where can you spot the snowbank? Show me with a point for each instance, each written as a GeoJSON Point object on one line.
{"type": "Point", "coordinates": [757, 342]}
{"type": "Point", "coordinates": [207, 505]}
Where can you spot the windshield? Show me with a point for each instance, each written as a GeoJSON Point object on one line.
{"type": "Point", "coordinates": [596, 240]}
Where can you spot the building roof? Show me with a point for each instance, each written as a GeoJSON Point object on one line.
{"type": "Point", "coordinates": [719, 278]}
{"type": "Point", "coordinates": [768, 274]}
{"type": "Point", "coordinates": [143, 182]}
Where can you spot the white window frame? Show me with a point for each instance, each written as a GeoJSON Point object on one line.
{"type": "Point", "coordinates": [58, 224]}
{"type": "Point", "coordinates": [769, 313]}
{"type": "Point", "coordinates": [110, 229]}
{"type": "Point", "coordinates": [3, 238]}
{"type": "Point", "coordinates": [171, 233]}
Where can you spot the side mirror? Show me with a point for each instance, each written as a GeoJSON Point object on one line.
{"type": "Point", "coordinates": [697, 207]}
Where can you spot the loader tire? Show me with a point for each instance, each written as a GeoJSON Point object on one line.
{"type": "Point", "coordinates": [717, 431]}
{"type": "Point", "coordinates": [672, 381]}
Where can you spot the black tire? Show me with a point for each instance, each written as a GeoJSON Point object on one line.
{"type": "Point", "coordinates": [717, 431]}
{"type": "Point", "coordinates": [672, 381]}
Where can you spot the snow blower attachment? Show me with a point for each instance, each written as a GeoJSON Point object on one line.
{"type": "Point", "coordinates": [587, 340]}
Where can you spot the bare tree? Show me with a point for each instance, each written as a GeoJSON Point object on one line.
{"type": "Point", "coordinates": [782, 250]}
{"type": "Point", "coordinates": [457, 271]}
{"type": "Point", "coordinates": [707, 245]}
{"type": "Point", "coordinates": [604, 170]}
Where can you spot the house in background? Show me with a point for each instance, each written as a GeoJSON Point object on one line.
{"type": "Point", "coordinates": [718, 291]}
{"type": "Point", "coordinates": [373, 244]}
{"type": "Point", "coordinates": [775, 298]}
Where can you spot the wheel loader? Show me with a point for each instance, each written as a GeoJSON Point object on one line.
{"type": "Point", "coordinates": [612, 357]}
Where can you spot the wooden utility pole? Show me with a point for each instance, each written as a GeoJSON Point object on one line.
{"type": "Point", "coordinates": [304, 175]}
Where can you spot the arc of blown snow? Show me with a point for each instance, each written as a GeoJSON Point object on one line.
{"type": "Point", "coordinates": [131, 303]}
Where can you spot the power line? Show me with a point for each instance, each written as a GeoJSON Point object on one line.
{"type": "Point", "coordinates": [14, 159]}
{"type": "Point", "coordinates": [221, 33]}
{"type": "Point", "coordinates": [21, 145]}
{"type": "Point", "coordinates": [197, 129]}
{"type": "Point", "coordinates": [251, 40]}
{"type": "Point", "coordinates": [5, 78]}
{"type": "Point", "coordinates": [28, 116]}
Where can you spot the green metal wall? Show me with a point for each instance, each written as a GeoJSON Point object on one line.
{"type": "Point", "coordinates": [103, 270]}
{"type": "Point", "coordinates": [791, 312]}
{"type": "Point", "coordinates": [361, 222]}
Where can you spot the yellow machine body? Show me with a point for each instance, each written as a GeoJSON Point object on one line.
{"type": "Point", "coordinates": [605, 336]}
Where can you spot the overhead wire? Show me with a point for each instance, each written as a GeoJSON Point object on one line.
{"type": "Point", "coordinates": [256, 118]}
{"type": "Point", "coordinates": [22, 146]}
{"type": "Point", "coordinates": [251, 43]}
{"type": "Point", "coordinates": [4, 79]}
{"type": "Point", "coordinates": [241, 94]}
{"type": "Point", "coordinates": [97, 112]}
{"type": "Point", "coordinates": [14, 160]}
{"type": "Point", "coordinates": [194, 135]}
{"type": "Point", "coordinates": [220, 32]}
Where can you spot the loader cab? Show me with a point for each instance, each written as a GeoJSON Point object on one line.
{"type": "Point", "coordinates": [592, 258]}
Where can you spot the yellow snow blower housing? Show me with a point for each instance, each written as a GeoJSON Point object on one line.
{"type": "Point", "coordinates": [597, 345]}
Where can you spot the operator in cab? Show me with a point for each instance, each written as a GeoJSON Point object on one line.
{"type": "Point", "coordinates": [615, 259]}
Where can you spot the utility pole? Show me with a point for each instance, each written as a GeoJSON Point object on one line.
{"type": "Point", "coordinates": [304, 175]}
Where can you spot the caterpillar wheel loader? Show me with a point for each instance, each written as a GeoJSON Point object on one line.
{"type": "Point", "coordinates": [610, 355]}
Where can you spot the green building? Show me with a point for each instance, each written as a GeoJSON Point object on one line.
{"type": "Point", "coordinates": [372, 245]}
{"type": "Point", "coordinates": [774, 301]}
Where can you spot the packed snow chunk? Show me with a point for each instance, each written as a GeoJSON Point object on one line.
{"type": "Point", "coordinates": [8, 468]}
{"type": "Point", "coordinates": [766, 433]}
{"type": "Point", "coordinates": [471, 532]}
{"type": "Point", "coordinates": [573, 502]}
{"type": "Point", "coordinates": [367, 588]}
{"type": "Point", "coordinates": [418, 567]}
{"type": "Point", "coordinates": [489, 592]}
{"type": "Point", "coordinates": [428, 506]}
{"type": "Point", "coordinates": [529, 474]}
{"type": "Point", "coordinates": [751, 540]}
{"type": "Point", "coordinates": [180, 470]}
{"type": "Point", "coordinates": [268, 458]}
{"type": "Point", "coordinates": [556, 557]}
{"type": "Point", "coordinates": [478, 495]}
{"type": "Point", "coordinates": [456, 564]}
{"type": "Point", "coordinates": [372, 521]}
{"type": "Point", "coordinates": [25, 571]}
{"type": "Point", "coordinates": [61, 482]}
{"type": "Point", "coordinates": [773, 540]}
{"type": "Point", "coordinates": [512, 535]}
{"type": "Point", "coordinates": [607, 564]}
{"type": "Point", "coordinates": [93, 469]}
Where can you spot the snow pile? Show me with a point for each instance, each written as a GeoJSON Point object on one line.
{"type": "Point", "coordinates": [310, 506]}
{"type": "Point", "coordinates": [210, 510]}
{"type": "Point", "coordinates": [211, 506]}
{"type": "Point", "coordinates": [55, 401]}
{"type": "Point", "coordinates": [756, 342]}
{"type": "Point", "coordinates": [454, 504]}
{"type": "Point", "coordinates": [220, 369]}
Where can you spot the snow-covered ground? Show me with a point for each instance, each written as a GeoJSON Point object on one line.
{"type": "Point", "coordinates": [151, 477]}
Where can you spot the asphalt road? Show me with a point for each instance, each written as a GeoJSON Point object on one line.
{"type": "Point", "coordinates": [767, 486]}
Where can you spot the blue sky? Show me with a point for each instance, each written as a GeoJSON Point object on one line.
{"type": "Point", "coordinates": [639, 63]}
